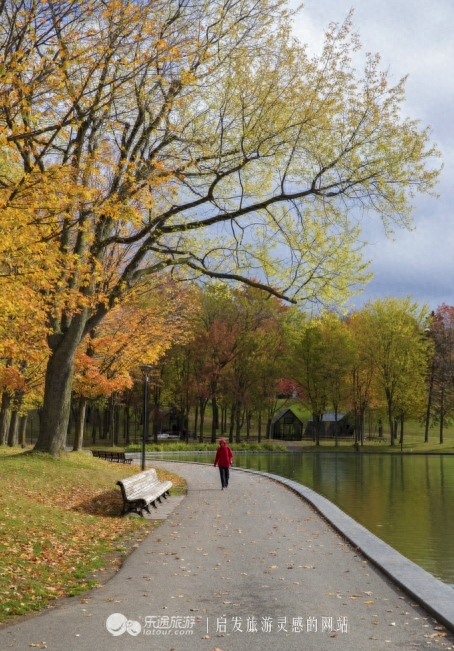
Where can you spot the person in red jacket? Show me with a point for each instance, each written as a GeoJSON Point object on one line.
{"type": "Point", "coordinates": [224, 456]}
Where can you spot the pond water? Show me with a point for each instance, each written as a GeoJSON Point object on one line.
{"type": "Point", "coordinates": [406, 500]}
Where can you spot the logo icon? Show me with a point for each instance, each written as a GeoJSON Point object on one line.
{"type": "Point", "coordinates": [117, 624]}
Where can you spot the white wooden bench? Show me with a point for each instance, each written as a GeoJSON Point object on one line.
{"type": "Point", "coordinates": [141, 490]}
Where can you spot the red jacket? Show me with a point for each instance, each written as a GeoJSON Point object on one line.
{"type": "Point", "coordinates": [224, 456]}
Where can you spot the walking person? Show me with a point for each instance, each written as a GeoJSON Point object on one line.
{"type": "Point", "coordinates": [224, 456]}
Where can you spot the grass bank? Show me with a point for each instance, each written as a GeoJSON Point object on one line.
{"type": "Point", "coordinates": [412, 444]}
{"type": "Point", "coordinates": [60, 526]}
{"type": "Point", "coordinates": [207, 447]}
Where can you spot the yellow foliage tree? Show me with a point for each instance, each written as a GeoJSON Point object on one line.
{"type": "Point", "coordinates": [192, 136]}
{"type": "Point", "coordinates": [390, 337]}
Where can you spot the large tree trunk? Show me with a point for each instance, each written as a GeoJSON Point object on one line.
{"type": "Point", "coordinates": [57, 389]}
{"type": "Point", "coordinates": [57, 404]}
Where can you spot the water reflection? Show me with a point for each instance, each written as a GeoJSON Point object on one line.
{"type": "Point", "coordinates": [407, 500]}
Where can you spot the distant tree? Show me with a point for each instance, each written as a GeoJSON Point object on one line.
{"type": "Point", "coordinates": [311, 371]}
{"type": "Point", "coordinates": [134, 333]}
{"type": "Point", "coordinates": [339, 352]}
{"type": "Point", "coordinates": [442, 335]}
{"type": "Point", "coordinates": [362, 389]}
{"type": "Point", "coordinates": [391, 336]}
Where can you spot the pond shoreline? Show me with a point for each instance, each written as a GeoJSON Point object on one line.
{"type": "Point", "coordinates": [136, 455]}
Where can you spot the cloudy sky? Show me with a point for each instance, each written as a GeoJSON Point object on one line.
{"type": "Point", "coordinates": [413, 37]}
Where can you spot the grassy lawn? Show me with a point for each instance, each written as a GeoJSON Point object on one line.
{"type": "Point", "coordinates": [175, 446]}
{"type": "Point", "coordinates": [375, 446]}
{"type": "Point", "coordinates": [59, 525]}
{"type": "Point", "coordinates": [413, 441]}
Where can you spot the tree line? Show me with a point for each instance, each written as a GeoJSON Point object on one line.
{"type": "Point", "coordinates": [244, 355]}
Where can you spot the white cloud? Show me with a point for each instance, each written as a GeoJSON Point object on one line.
{"type": "Point", "coordinates": [413, 37]}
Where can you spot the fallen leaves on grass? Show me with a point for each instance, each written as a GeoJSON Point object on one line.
{"type": "Point", "coordinates": [60, 522]}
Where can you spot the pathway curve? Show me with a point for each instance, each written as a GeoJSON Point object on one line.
{"type": "Point", "coordinates": [251, 568]}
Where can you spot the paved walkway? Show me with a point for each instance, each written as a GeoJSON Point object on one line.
{"type": "Point", "coordinates": [246, 569]}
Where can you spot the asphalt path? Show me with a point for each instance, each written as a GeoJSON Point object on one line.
{"type": "Point", "coordinates": [250, 568]}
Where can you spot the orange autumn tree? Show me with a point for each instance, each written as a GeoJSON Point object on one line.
{"type": "Point", "coordinates": [194, 136]}
{"type": "Point", "coordinates": [28, 271]}
{"type": "Point", "coordinates": [23, 353]}
{"type": "Point", "coordinates": [137, 332]}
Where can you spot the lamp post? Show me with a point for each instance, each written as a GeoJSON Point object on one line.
{"type": "Point", "coordinates": [146, 370]}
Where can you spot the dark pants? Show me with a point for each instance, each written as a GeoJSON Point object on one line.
{"type": "Point", "coordinates": [224, 472]}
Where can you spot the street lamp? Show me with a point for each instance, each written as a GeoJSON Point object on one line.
{"type": "Point", "coordinates": [146, 370]}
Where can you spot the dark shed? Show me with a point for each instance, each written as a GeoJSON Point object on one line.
{"type": "Point", "coordinates": [328, 426]}
{"type": "Point", "coordinates": [286, 426]}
